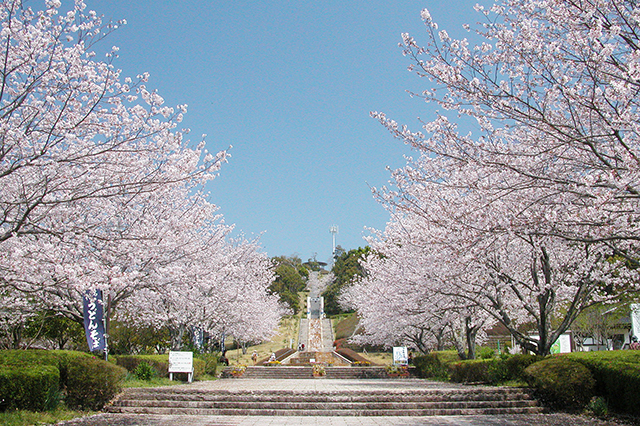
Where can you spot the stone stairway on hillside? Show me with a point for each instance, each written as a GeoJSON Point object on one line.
{"type": "Point", "coordinates": [442, 402]}
{"type": "Point", "coordinates": [327, 335]}
{"type": "Point", "coordinates": [324, 358]}
{"type": "Point", "coordinates": [303, 337]}
{"type": "Point", "coordinates": [274, 373]}
{"type": "Point", "coordinates": [306, 372]}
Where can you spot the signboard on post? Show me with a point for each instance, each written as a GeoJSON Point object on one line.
{"type": "Point", "coordinates": [400, 355]}
{"type": "Point", "coordinates": [94, 320]}
{"type": "Point", "coordinates": [181, 362]}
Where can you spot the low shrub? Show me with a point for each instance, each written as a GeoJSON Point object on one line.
{"type": "Point", "coordinates": [621, 355]}
{"type": "Point", "coordinates": [25, 358]}
{"type": "Point", "coordinates": [84, 381]}
{"type": "Point", "coordinates": [497, 371]}
{"type": "Point", "coordinates": [34, 388]}
{"type": "Point", "coordinates": [617, 376]}
{"type": "Point", "coordinates": [430, 366]}
{"type": "Point", "coordinates": [210, 362]}
{"type": "Point", "coordinates": [159, 363]}
{"type": "Point", "coordinates": [22, 358]}
{"type": "Point", "coordinates": [92, 382]}
{"type": "Point", "coordinates": [561, 382]}
{"type": "Point", "coordinates": [485, 353]}
{"type": "Point", "coordinates": [490, 371]}
{"type": "Point", "coordinates": [65, 360]}
{"type": "Point", "coordinates": [598, 407]}
{"type": "Point", "coordinates": [516, 364]}
{"type": "Point", "coordinates": [144, 371]}
{"type": "Point", "coordinates": [447, 357]}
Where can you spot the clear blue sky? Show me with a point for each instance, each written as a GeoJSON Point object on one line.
{"type": "Point", "coordinates": [290, 85]}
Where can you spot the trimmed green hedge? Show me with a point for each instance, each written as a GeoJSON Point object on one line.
{"type": "Point", "coordinates": [85, 381]}
{"type": "Point", "coordinates": [160, 363]}
{"type": "Point", "coordinates": [446, 365]}
{"type": "Point", "coordinates": [24, 358]}
{"type": "Point", "coordinates": [34, 388]}
{"type": "Point", "coordinates": [91, 383]}
{"type": "Point", "coordinates": [617, 375]}
{"type": "Point", "coordinates": [614, 375]}
{"type": "Point", "coordinates": [435, 365]}
{"type": "Point", "coordinates": [561, 382]}
{"type": "Point", "coordinates": [516, 364]}
{"type": "Point", "coordinates": [491, 371]}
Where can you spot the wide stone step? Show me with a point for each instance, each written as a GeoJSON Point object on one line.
{"type": "Point", "coordinates": [306, 372]}
{"type": "Point", "coordinates": [326, 412]}
{"type": "Point", "coordinates": [311, 396]}
{"type": "Point", "coordinates": [326, 403]}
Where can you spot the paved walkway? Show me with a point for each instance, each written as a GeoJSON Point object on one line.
{"type": "Point", "coordinates": [331, 385]}
{"type": "Point", "coordinates": [510, 420]}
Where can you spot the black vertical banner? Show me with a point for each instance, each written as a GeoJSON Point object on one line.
{"type": "Point", "coordinates": [94, 320]}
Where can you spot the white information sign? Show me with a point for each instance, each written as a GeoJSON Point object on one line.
{"type": "Point", "coordinates": [400, 355]}
{"type": "Point", "coordinates": [181, 362]}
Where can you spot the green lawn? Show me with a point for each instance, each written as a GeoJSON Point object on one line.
{"type": "Point", "coordinates": [24, 418]}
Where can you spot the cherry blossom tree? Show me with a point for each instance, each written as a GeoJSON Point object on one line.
{"type": "Point", "coordinates": [72, 129]}
{"type": "Point", "coordinates": [400, 299]}
{"type": "Point", "coordinates": [222, 291]}
{"type": "Point", "coordinates": [100, 189]}
{"type": "Point", "coordinates": [481, 248]}
{"type": "Point", "coordinates": [552, 89]}
{"type": "Point", "coordinates": [529, 217]}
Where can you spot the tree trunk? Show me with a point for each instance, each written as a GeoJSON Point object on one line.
{"type": "Point", "coordinates": [471, 333]}
{"type": "Point", "coordinates": [177, 334]}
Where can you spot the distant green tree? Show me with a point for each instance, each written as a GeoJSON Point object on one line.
{"type": "Point", "coordinates": [339, 251]}
{"type": "Point", "coordinates": [291, 278]}
{"type": "Point", "coordinates": [60, 332]}
{"type": "Point", "coordinates": [346, 267]}
{"type": "Point", "coordinates": [125, 339]}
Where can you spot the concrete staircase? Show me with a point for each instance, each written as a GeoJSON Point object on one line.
{"type": "Point", "coordinates": [356, 373]}
{"type": "Point", "coordinates": [440, 402]}
{"type": "Point", "coordinates": [306, 372]}
{"type": "Point", "coordinates": [327, 335]}
{"type": "Point", "coordinates": [274, 373]}
{"type": "Point", "coordinates": [325, 358]}
{"type": "Point", "coordinates": [303, 336]}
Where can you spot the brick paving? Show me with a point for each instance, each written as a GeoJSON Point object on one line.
{"type": "Point", "coordinates": [323, 384]}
